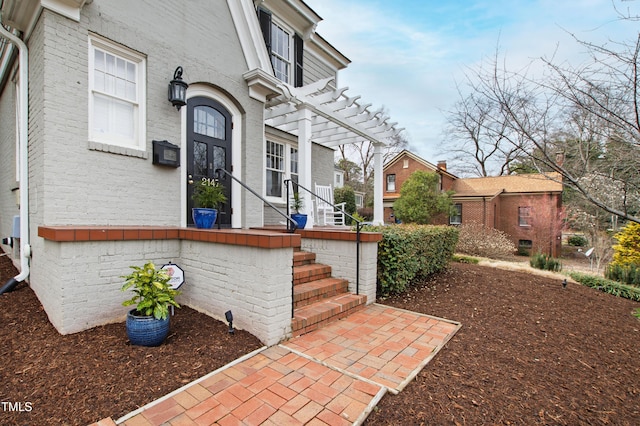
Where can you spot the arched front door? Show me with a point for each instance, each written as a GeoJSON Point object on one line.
{"type": "Point", "coordinates": [208, 149]}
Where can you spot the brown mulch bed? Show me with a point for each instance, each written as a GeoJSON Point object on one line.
{"type": "Point", "coordinates": [528, 352]}
{"type": "Point", "coordinates": [84, 377]}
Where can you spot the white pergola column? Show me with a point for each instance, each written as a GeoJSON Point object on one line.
{"type": "Point", "coordinates": [304, 158]}
{"type": "Point", "coordinates": [378, 179]}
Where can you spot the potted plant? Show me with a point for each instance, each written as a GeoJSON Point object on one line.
{"type": "Point", "coordinates": [148, 323]}
{"type": "Point", "coordinates": [207, 197]}
{"type": "Point", "coordinates": [300, 218]}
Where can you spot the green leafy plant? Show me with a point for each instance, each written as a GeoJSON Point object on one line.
{"type": "Point", "coordinates": [545, 262]}
{"type": "Point", "coordinates": [208, 194]}
{"type": "Point", "coordinates": [409, 252]}
{"type": "Point", "coordinates": [608, 286]}
{"type": "Point", "coordinates": [153, 294]}
{"type": "Point", "coordinates": [298, 202]}
{"type": "Point", "coordinates": [628, 274]}
{"type": "Point", "coordinates": [421, 199]}
{"type": "Point", "coordinates": [577, 241]}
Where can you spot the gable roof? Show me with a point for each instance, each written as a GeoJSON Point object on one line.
{"type": "Point", "coordinates": [491, 186]}
{"type": "Point", "coordinates": [428, 165]}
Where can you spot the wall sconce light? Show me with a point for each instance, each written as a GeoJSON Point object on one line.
{"type": "Point", "coordinates": [178, 90]}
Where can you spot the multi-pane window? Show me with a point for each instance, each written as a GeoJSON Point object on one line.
{"type": "Point", "coordinates": [524, 216]}
{"type": "Point", "coordinates": [275, 168]}
{"type": "Point", "coordinates": [282, 163]}
{"type": "Point", "coordinates": [391, 183]}
{"type": "Point", "coordinates": [280, 52]}
{"type": "Point", "coordinates": [209, 122]}
{"type": "Point", "coordinates": [456, 217]}
{"type": "Point", "coordinates": [116, 97]}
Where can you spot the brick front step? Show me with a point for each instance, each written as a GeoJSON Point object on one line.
{"type": "Point", "coordinates": [307, 293]}
{"type": "Point", "coordinates": [316, 315]}
{"type": "Point", "coordinates": [307, 273]}
{"type": "Point", "coordinates": [303, 258]}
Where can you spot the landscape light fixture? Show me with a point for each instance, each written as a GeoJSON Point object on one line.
{"type": "Point", "coordinates": [178, 89]}
{"type": "Point", "coordinates": [229, 316]}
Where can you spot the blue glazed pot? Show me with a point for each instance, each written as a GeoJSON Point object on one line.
{"type": "Point", "coordinates": [204, 218]}
{"type": "Point", "coordinates": [146, 330]}
{"type": "Point", "coordinates": [301, 219]}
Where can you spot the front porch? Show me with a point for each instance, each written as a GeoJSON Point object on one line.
{"type": "Point", "coordinates": [248, 271]}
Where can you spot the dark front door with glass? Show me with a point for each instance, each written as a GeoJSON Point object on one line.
{"type": "Point", "coordinates": [208, 149]}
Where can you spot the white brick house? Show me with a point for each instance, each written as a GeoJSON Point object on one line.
{"type": "Point", "coordinates": [83, 95]}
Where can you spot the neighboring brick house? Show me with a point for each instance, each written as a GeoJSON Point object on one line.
{"type": "Point", "coordinates": [526, 207]}
{"type": "Point", "coordinates": [399, 168]}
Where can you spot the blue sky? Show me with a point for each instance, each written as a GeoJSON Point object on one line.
{"type": "Point", "coordinates": [408, 55]}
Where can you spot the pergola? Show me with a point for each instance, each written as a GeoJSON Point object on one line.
{"type": "Point", "coordinates": [323, 114]}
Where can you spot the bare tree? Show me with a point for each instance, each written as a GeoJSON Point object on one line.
{"type": "Point", "coordinates": [595, 104]}
{"type": "Point", "coordinates": [480, 136]}
{"type": "Point", "coordinates": [362, 155]}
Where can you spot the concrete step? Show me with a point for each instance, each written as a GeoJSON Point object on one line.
{"type": "Point", "coordinates": [307, 293]}
{"type": "Point", "coordinates": [317, 315]}
{"type": "Point", "coordinates": [311, 272]}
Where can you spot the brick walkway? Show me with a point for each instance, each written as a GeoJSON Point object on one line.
{"type": "Point", "coordinates": [332, 376]}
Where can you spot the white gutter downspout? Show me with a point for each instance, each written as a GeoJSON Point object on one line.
{"type": "Point", "coordinates": [23, 126]}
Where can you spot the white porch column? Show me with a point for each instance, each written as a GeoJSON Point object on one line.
{"type": "Point", "coordinates": [304, 159]}
{"type": "Point", "coordinates": [378, 179]}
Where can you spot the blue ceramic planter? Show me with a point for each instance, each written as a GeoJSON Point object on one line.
{"type": "Point", "coordinates": [204, 218]}
{"type": "Point", "coordinates": [301, 220]}
{"type": "Point", "coordinates": [146, 330]}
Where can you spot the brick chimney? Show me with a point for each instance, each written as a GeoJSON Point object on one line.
{"type": "Point", "coordinates": [442, 165]}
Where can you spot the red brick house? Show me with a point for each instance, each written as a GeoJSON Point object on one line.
{"type": "Point", "coordinates": [526, 207]}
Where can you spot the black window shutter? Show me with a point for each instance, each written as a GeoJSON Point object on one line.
{"type": "Point", "coordinates": [298, 45]}
{"type": "Point", "coordinates": [264, 17]}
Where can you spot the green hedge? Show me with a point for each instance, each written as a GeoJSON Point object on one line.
{"type": "Point", "coordinates": [608, 286]}
{"type": "Point", "coordinates": [627, 274]}
{"type": "Point", "coordinates": [407, 252]}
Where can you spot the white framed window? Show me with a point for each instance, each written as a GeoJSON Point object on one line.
{"type": "Point", "coordinates": [391, 183]}
{"type": "Point", "coordinates": [116, 95]}
{"type": "Point", "coordinates": [524, 216]}
{"type": "Point", "coordinates": [281, 42]}
{"type": "Point", "coordinates": [456, 216]}
{"type": "Point", "coordinates": [281, 164]}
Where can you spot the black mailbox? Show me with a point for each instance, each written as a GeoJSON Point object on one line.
{"type": "Point", "coordinates": [166, 154]}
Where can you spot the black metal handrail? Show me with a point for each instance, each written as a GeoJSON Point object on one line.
{"type": "Point", "coordinates": [358, 222]}
{"type": "Point", "coordinates": [291, 224]}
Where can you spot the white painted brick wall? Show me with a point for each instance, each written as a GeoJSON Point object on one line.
{"type": "Point", "coordinates": [79, 282]}
{"type": "Point", "coordinates": [341, 256]}
{"type": "Point", "coordinates": [255, 284]}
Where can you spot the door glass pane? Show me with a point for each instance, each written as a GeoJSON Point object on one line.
{"type": "Point", "coordinates": [209, 122]}
{"type": "Point", "coordinates": [200, 159]}
{"type": "Point", "coordinates": [219, 158]}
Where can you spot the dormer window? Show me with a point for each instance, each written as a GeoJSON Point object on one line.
{"type": "Point", "coordinates": [285, 48]}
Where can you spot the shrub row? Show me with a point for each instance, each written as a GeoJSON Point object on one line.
{"type": "Point", "coordinates": [608, 286]}
{"type": "Point", "coordinates": [407, 252]}
{"type": "Point", "coordinates": [629, 274]}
